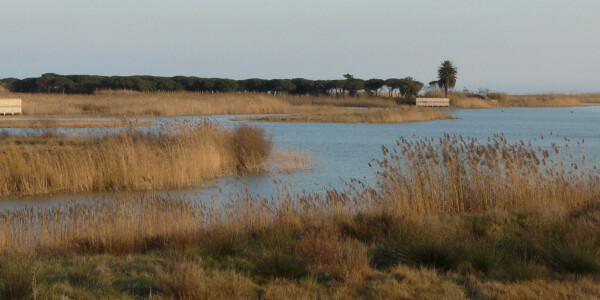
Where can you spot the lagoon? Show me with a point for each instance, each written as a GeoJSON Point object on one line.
{"type": "Point", "coordinates": [344, 151]}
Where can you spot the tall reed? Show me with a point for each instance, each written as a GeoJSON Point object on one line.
{"type": "Point", "coordinates": [452, 176]}
{"type": "Point", "coordinates": [181, 154]}
{"type": "Point", "coordinates": [458, 175]}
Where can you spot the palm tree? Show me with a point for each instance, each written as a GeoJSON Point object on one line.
{"type": "Point", "coordinates": [447, 76]}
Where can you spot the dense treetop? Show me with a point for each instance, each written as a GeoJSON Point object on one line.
{"type": "Point", "coordinates": [88, 84]}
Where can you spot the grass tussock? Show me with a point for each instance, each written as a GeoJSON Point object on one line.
{"type": "Point", "coordinates": [190, 281]}
{"type": "Point", "coordinates": [341, 115]}
{"type": "Point", "coordinates": [19, 123]}
{"type": "Point", "coordinates": [16, 279]}
{"type": "Point", "coordinates": [446, 218]}
{"type": "Point", "coordinates": [184, 154]}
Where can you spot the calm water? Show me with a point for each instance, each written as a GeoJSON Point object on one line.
{"type": "Point", "coordinates": [344, 150]}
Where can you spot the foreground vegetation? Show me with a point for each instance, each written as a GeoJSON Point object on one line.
{"type": "Point", "coordinates": [181, 155]}
{"type": "Point", "coordinates": [339, 115]}
{"type": "Point", "coordinates": [451, 218]}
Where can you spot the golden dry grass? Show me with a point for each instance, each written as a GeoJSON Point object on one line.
{"type": "Point", "coordinates": [446, 219]}
{"type": "Point", "coordinates": [552, 100]}
{"type": "Point", "coordinates": [473, 103]}
{"type": "Point", "coordinates": [130, 103]}
{"type": "Point", "coordinates": [458, 175]}
{"type": "Point", "coordinates": [20, 123]}
{"type": "Point", "coordinates": [459, 100]}
{"type": "Point", "coordinates": [184, 154]}
{"type": "Point", "coordinates": [344, 115]}
{"type": "Point", "coordinates": [450, 177]}
{"type": "Point", "coordinates": [361, 101]}
{"type": "Point", "coordinates": [589, 98]}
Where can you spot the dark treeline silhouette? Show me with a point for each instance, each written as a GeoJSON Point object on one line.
{"type": "Point", "coordinates": [88, 84]}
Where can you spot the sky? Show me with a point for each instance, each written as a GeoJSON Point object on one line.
{"type": "Point", "coordinates": [516, 46]}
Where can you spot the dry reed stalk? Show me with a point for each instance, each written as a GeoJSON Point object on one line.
{"type": "Point", "coordinates": [457, 175]}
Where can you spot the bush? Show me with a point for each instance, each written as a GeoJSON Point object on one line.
{"type": "Point", "coordinates": [252, 146]}
{"type": "Point", "coordinates": [16, 280]}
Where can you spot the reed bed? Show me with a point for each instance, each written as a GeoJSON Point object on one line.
{"type": "Point", "coordinates": [499, 100]}
{"type": "Point", "coordinates": [362, 100]}
{"type": "Point", "coordinates": [589, 98]}
{"type": "Point", "coordinates": [457, 175]}
{"type": "Point", "coordinates": [130, 104]}
{"type": "Point", "coordinates": [180, 155]}
{"type": "Point", "coordinates": [123, 103]}
{"type": "Point", "coordinates": [48, 123]}
{"type": "Point", "coordinates": [552, 100]}
{"type": "Point", "coordinates": [448, 218]}
{"type": "Point", "coordinates": [344, 115]}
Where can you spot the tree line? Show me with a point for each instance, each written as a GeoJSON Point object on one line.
{"type": "Point", "coordinates": [406, 87]}
{"type": "Point", "coordinates": [88, 84]}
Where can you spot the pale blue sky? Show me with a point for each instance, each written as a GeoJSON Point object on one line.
{"type": "Point", "coordinates": [510, 45]}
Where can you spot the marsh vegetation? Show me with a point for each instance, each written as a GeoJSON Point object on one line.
{"type": "Point", "coordinates": [341, 115]}
{"type": "Point", "coordinates": [448, 218]}
{"type": "Point", "coordinates": [180, 154]}
{"type": "Point", "coordinates": [470, 100]}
